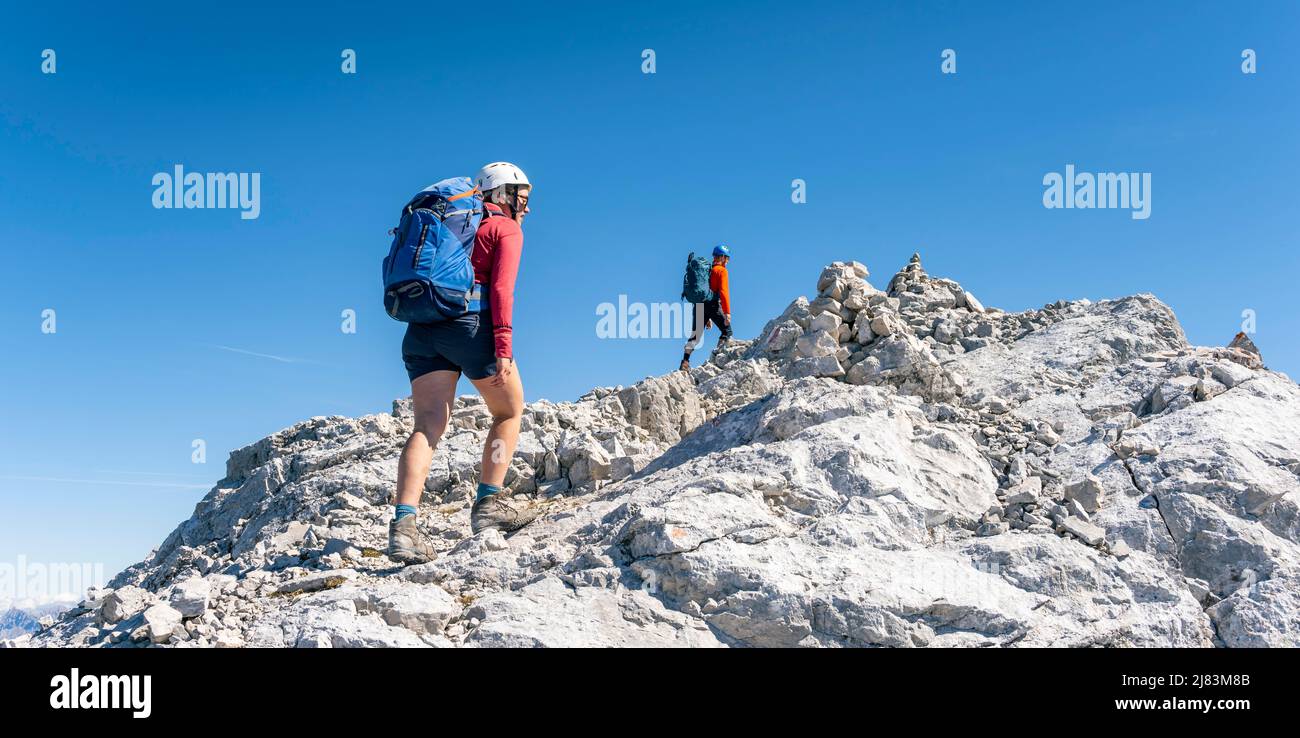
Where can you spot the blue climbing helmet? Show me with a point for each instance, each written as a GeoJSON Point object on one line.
{"type": "Point", "coordinates": [722, 250]}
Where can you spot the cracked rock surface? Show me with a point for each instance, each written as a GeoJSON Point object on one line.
{"type": "Point", "coordinates": [900, 467]}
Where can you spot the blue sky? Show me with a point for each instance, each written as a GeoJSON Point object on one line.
{"type": "Point", "coordinates": [632, 171]}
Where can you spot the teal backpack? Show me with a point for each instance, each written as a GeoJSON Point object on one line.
{"type": "Point", "coordinates": [695, 285]}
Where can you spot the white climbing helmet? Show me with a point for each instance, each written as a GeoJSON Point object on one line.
{"type": "Point", "coordinates": [499, 173]}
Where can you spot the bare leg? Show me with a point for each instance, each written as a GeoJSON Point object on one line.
{"type": "Point", "coordinates": [697, 333]}
{"type": "Point", "coordinates": [697, 329]}
{"type": "Point", "coordinates": [506, 403]}
{"type": "Point", "coordinates": [432, 395]}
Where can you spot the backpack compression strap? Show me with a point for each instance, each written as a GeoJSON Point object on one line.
{"type": "Point", "coordinates": [423, 197]}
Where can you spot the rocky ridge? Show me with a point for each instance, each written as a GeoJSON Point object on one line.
{"type": "Point", "coordinates": [898, 467]}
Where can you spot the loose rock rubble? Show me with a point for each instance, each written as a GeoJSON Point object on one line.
{"type": "Point", "coordinates": [879, 468]}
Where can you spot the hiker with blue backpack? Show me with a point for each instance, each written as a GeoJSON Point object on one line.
{"type": "Point", "coordinates": [705, 287]}
{"type": "Point", "coordinates": [450, 275]}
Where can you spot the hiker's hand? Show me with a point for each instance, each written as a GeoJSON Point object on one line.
{"type": "Point", "coordinates": [708, 323]}
{"type": "Point", "coordinates": [728, 319]}
{"type": "Point", "coordinates": [505, 367]}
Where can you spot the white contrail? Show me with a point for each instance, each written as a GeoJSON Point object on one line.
{"type": "Point", "coordinates": [272, 357]}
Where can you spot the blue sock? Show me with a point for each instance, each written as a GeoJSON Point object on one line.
{"type": "Point", "coordinates": [403, 511]}
{"type": "Point", "coordinates": [486, 489]}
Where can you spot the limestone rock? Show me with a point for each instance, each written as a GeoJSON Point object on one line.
{"type": "Point", "coordinates": [1083, 530]}
{"type": "Point", "coordinates": [1025, 492]}
{"type": "Point", "coordinates": [863, 332]}
{"type": "Point", "coordinates": [1242, 342]}
{"type": "Point", "coordinates": [190, 597]}
{"type": "Point", "coordinates": [1075, 475]}
{"type": "Point", "coordinates": [817, 343]}
{"type": "Point", "coordinates": [1088, 492]}
{"type": "Point", "coordinates": [783, 336]}
{"type": "Point", "coordinates": [828, 322]}
{"type": "Point", "coordinates": [816, 366]}
{"type": "Point", "coordinates": [124, 602]}
{"type": "Point", "coordinates": [162, 621]}
{"type": "Point", "coordinates": [884, 325]}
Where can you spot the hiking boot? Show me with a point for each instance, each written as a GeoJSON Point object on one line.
{"type": "Point", "coordinates": [406, 544]}
{"type": "Point", "coordinates": [685, 366]}
{"type": "Point", "coordinates": [501, 512]}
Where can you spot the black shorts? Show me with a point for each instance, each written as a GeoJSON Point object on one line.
{"type": "Point", "coordinates": [713, 313]}
{"type": "Point", "coordinates": [462, 345]}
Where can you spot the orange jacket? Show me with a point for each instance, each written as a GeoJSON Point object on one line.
{"type": "Point", "coordinates": [718, 283]}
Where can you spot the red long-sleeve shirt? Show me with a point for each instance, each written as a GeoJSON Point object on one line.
{"type": "Point", "coordinates": [498, 246]}
{"type": "Point", "coordinates": [718, 283]}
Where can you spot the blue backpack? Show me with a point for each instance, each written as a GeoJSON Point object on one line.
{"type": "Point", "coordinates": [695, 285]}
{"type": "Point", "coordinates": [427, 273]}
